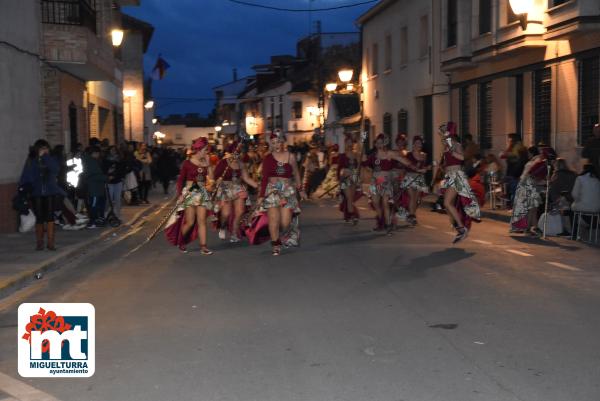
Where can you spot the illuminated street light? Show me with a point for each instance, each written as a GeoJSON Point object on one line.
{"type": "Point", "coordinates": [117, 37]}
{"type": "Point", "coordinates": [521, 8]}
{"type": "Point", "coordinates": [346, 75]}
{"type": "Point", "coordinates": [149, 104]}
{"type": "Point", "coordinates": [154, 120]}
{"type": "Point", "coordinates": [331, 87]}
{"type": "Point", "coordinates": [129, 93]}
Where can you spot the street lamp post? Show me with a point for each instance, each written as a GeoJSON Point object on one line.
{"type": "Point", "coordinates": [129, 94]}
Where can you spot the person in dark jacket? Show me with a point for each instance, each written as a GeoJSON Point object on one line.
{"type": "Point", "coordinates": [165, 165]}
{"type": "Point", "coordinates": [96, 181]}
{"type": "Point", "coordinates": [114, 168]}
{"type": "Point", "coordinates": [561, 182]}
{"type": "Point", "coordinates": [40, 175]}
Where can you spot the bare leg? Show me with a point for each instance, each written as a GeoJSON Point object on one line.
{"type": "Point", "coordinates": [225, 213]}
{"type": "Point", "coordinates": [286, 218]}
{"type": "Point", "coordinates": [201, 215]}
{"type": "Point", "coordinates": [273, 214]}
{"type": "Point", "coordinates": [238, 206]}
{"type": "Point", "coordinates": [386, 209]}
{"type": "Point", "coordinates": [350, 193]}
{"type": "Point", "coordinates": [189, 220]}
{"type": "Point", "coordinates": [377, 204]}
{"type": "Point", "coordinates": [532, 219]}
{"type": "Point", "coordinates": [449, 199]}
{"type": "Point", "coordinates": [412, 206]}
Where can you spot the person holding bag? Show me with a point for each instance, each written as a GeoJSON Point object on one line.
{"type": "Point", "coordinates": [40, 173]}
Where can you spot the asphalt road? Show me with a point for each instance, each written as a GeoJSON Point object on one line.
{"type": "Point", "coordinates": [352, 315]}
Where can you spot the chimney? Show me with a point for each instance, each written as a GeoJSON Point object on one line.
{"type": "Point", "coordinates": [235, 78]}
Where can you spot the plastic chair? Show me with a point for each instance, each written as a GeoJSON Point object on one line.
{"type": "Point", "coordinates": [595, 220]}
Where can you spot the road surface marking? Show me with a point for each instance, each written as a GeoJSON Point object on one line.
{"type": "Point", "coordinates": [482, 242]}
{"type": "Point", "coordinates": [518, 252]}
{"type": "Point", "coordinates": [563, 266]}
{"type": "Point", "coordinates": [426, 226]}
{"type": "Point", "coordinates": [22, 391]}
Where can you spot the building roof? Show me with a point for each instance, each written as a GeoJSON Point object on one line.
{"type": "Point", "coordinates": [136, 24]}
{"type": "Point", "coordinates": [374, 11]}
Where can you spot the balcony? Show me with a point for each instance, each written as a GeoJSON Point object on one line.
{"type": "Point", "coordinates": [71, 41]}
{"type": "Point", "coordinates": [572, 18]}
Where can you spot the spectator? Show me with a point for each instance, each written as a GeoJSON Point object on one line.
{"type": "Point", "coordinates": [516, 157]}
{"type": "Point", "coordinates": [591, 148]}
{"type": "Point", "coordinates": [586, 191]}
{"type": "Point", "coordinates": [165, 166]}
{"type": "Point", "coordinates": [40, 177]}
{"type": "Point", "coordinates": [145, 174]}
{"type": "Point", "coordinates": [96, 181]}
{"type": "Point", "coordinates": [561, 182]}
{"type": "Point", "coordinates": [114, 168]}
{"type": "Point", "coordinates": [471, 151]}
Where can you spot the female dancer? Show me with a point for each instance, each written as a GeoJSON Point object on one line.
{"type": "Point", "coordinates": [414, 182]}
{"type": "Point", "coordinates": [277, 194]}
{"type": "Point", "coordinates": [331, 181]}
{"type": "Point", "coordinates": [380, 190]}
{"type": "Point", "coordinates": [459, 200]}
{"type": "Point", "coordinates": [527, 198]}
{"type": "Point", "coordinates": [231, 193]}
{"type": "Point", "coordinates": [400, 200]}
{"type": "Point", "coordinates": [193, 188]}
{"type": "Point", "coordinates": [349, 179]}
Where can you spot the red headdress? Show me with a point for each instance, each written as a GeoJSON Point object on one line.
{"type": "Point", "coordinates": [449, 129]}
{"type": "Point", "coordinates": [199, 144]}
{"type": "Point", "coordinates": [382, 138]}
{"type": "Point", "coordinates": [401, 138]}
{"type": "Point", "coordinates": [335, 148]}
{"type": "Point", "coordinates": [232, 147]}
{"type": "Point", "coordinates": [418, 138]}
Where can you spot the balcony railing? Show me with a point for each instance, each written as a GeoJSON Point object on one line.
{"type": "Point", "coordinates": [69, 12]}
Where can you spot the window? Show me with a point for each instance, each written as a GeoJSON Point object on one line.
{"type": "Point", "coordinates": [542, 102]}
{"type": "Point", "coordinates": [554, 3]}
{"type": "Point", "coordinates": [388, 52]}
{"type": "Point", "coordinates": [485, 16]}
{"type": "Point", "coordinates": [387, 127]}
{"type": "Point", "coordinates": [589, 96]}
{"type": "Point", "coordinates": [402, 121]}
{"type": "Point", "coordinates": [464, 111]}
{"type": "Point", "coordinates": [375, 60]}
{"type": "Point", "coordinates": [424, 37]}
{"type": "Point", "coordinates": [297, 110]}
{"type": "Point", "coordinates": [485, 115]}
{"type": "Point", "coordinates": [452, 23]}
{"type": "Point", "coordinates": [404, 45]}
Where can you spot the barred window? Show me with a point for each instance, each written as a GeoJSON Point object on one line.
{"type": "Point", "coordinates": [542, 102]}
{"type": "Point", "coordinates": [589, 96]}
{"type": "Point", "coordinates": [402, 121]}
{"type": "Point", "coordinates": [485, 115]}
{"type": "Point", "coordinates": [387, 126]}
{"type": "Point", "coordinates": [452, 23]}
{"type": "Point", "coordinates": [485, 16]}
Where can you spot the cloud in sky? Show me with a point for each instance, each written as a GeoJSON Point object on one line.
{"type": "Point", "coordinates": [203, 40]}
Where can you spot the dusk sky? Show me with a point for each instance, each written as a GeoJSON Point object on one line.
{"type": "Point", "coordinates": [203, 40]}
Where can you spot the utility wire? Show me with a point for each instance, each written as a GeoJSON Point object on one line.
{"type": "Point", "coordinates": [302, 10]}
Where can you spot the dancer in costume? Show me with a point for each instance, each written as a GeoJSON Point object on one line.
{"type": "Point", "coordinates": [459, 200]}
{"type": "Point", "coordinates": [527, 198]}
{"type": "Point", "coordinates": [278, 194]}
{"type": "Point", "coordinates": [414, 181]}
{"type": "Point", "coordinates": [331, 182]}
{"type": "Point", "coordinates": [400, 200]}
{"type": "Point", "coordinates": [231, 193]}
{"type": "Point", "coordinates": [194, 203]}
{"type": "Point", "coordinates": [349, 178]}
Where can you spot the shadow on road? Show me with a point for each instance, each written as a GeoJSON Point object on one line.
{"type": "Point", "coordinates": [417, 268]}
{"type": "Point", "coordinates": [548, 243]}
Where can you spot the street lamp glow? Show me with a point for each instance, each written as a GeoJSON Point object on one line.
{"type": "Point", "coordinates": [346, 75]}
{"type": "Point", "coordinates": [149, 104]}
{"type": "Point", "coordinates": [522, 6]}
{"type": "Point", "coordinates": [350, 87]}
{"type": "Point", "coordinates": [218, 128]}
{"type": "Point", "coordinates": [117, 37]}
{"type": "Point", "coordinates": [331, 87]}
{"type": "Point", "coordinates": [129, 93]}
{"type": "Point", "coordinates": [154, 120]}
{"type": "Point", "coordinates": [159, 135]}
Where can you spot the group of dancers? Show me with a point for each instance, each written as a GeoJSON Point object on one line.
{"type": "Point", "coordinates": [218, 196]}
{"type": "Point", "coordinates": [398, 182]}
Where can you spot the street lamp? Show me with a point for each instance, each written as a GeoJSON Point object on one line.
{"type": "Point", "coordinates": [129, 94]}
{"type": "Point", "coordinates": [154, 120]}
{"type": "Point", "coordinates": [331, 87]}
{"type": "Point", "coordinates": [149, 104]}
{"type": "Point", "coordinates": [346, 75]}
{"type": "Point", "coordinates": [522, 8]}
{"type": "Point", "coordinates": [117, 37]}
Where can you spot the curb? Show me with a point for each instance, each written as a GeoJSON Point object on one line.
{"type": "Point", "coordinates": [20, 280]}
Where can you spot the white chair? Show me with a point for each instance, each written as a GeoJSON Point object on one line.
{"type": "Point", "coordinates": [594, 224]}
{"type": "Point", "coordinates": [495, 192]}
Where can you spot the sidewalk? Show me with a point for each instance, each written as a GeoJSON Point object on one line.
{"type": "Point", "coordinates": [20, 262]}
